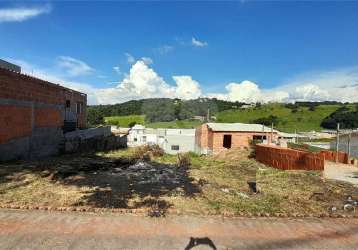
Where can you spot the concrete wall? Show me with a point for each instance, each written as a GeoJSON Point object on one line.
{"type": "Point", "coordinates": [41, 143]}
{"type": "Point", "coordinates": [185, 143]}
{"type": "Point", "coordinates": [89, 133]}
{"type": "Point", "coordinates": [32, 113]}
{"type": "Point", "coordinates": [93, 139]}
{"type": "Point", "coordinates": [343, 145]}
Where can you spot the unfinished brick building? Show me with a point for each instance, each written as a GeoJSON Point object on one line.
{"type": "Point", "coordinates": [34, 113]}
{"type": "Point", "coordinates": [212, 138]}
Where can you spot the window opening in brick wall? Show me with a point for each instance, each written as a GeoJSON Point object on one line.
{"type": "Point", "coordinates": [227, 141]}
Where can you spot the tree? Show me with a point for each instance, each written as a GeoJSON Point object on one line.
{"type": "Point", "coordinates": [267, 121]}
{"type": "Point", "coordinates": [94, 117]}
{"type": "Point", "coordinates": [344, 116]}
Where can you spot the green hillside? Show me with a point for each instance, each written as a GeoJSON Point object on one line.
{"type": "Point", "coordinates": [170, 113]}
{"type": "Point", "coordinates": [124, 121]}
{"type": "Point", "coordinates": [288, 119]}
{"type": "Point", "coordinates": [175, 124]}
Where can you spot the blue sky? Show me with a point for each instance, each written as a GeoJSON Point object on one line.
{"type": "Point", "coordinates": [247, 51]}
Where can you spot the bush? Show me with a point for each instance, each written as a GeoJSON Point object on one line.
{"type": "Point", "coordinates": [267, 121]}
{"type": "Point", "coordinates": [184, 160]}
{"type": "Point", "coordinates": [147, 152]}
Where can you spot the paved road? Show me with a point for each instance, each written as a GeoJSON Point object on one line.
{"type": "Point", "coordinates": [341, 172]}
{"type": "Point", "coordinates": [55, 230]}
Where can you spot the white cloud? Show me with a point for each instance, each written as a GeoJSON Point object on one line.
{"type": "Point", "coordinates": [147, 60]}
{"type": "Point", "coordinates": [74, 67]}
{"type": "Point", "coordinates": [117, 69]}
{"type": "Point", "coordinates": [164, 49]}
{"type": "Point", "coordinates": [245, 91]}
{"type": "Point", "coordinates": [249, 92]}
{"type": "Point", "coordinates": [49, 75]}
{"type": "Point", "coordinates": [336, 85]}
{"type": "Point", "coordinates": [130, 58]}
{"type": "Point", "coordinates": [22, 13]}
{"type": "Point", "coordinates": [187, 88]}
{"type": "Point", "coordinates": [198, 43]}
{"type": "Point", "coordinates": [143, 82]}
{"type": "Point", "coordinates": [310, 92]}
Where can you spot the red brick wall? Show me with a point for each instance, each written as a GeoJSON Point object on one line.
{"type": "Point", "coordinates": [48, 118]}
{"type": "Point", "coordinates": [238, 140]}
{"type": "Point", "coordinates": [21, 87]}
{"type": "Point", "coordinates": [289, 159]}
{"type": "Point", "coordinates": [201, 136]}
{"type": "Point", "coordinates": [212, 140]}
{"type": "Point", "coordinates": [15, 122]}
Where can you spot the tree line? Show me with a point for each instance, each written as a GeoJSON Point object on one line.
{"type": "Point", "coordinates": [160, 109]}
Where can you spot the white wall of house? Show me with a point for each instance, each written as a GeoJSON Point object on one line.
{"type": "Point", "coordinates": [179, 141]}
{"type": "Point", "coordinates": [173, 141]}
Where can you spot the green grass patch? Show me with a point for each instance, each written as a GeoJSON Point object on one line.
{"type": "Point", "coordinates": [124, 121]}
{"type": "Point", "coordinates": [175, 124]}
{"type": "Point", "coordinates": [288, 120]}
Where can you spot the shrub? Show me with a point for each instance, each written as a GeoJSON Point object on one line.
{"type": "Point", "coordinates": [184, 160]}
{"type": "Point", "coordinates": [267, 121]}
{"type": "Point", "coordinates": [146, 152]}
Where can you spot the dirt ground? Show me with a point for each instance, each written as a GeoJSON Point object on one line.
{"type": "Point", "coordinates": [159, 185]}
{"type": "Point", "coordinates": [341, 172]}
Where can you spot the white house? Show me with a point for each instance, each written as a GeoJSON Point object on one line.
{"type": "Point", "coordinates": [171, 140]}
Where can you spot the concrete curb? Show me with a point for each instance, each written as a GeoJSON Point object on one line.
{"type": "Point", "coordinates": [176, 212]}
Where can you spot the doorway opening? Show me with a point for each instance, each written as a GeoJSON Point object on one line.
{"type": "Point", "coordinates": [227, 141]}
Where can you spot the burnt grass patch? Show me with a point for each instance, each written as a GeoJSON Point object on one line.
{"type": "Point", "coordinates": [156, 184]}
{"type": "Point", "coordinates": [101, 182]}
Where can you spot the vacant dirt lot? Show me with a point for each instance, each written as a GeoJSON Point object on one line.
{"type": "Point", "coordinates": [156, 185]}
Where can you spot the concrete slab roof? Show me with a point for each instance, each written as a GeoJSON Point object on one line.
{"type": "Point", "coordinates": [239, 127]}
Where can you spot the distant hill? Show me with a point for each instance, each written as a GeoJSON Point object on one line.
{"type": "Point", "coordinates": [160, 109]}
{"type": "Point", "coordinates": [286, 117]}
{"type": "Point", "coordinates": [176, 113]}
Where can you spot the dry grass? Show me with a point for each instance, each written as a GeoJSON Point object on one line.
{"type": "Point", "coordinates": [207, 185]}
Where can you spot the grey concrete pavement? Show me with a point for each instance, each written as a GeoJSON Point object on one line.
{"type": "Point", "coordinates": [56, 230]}
{"type": "Point", "coordinates": [341, 172]}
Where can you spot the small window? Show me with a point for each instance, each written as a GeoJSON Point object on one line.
{"type": "Point", "coordinates": [144, 139]}
{"type": "Point", "coordinates": [68, 104]}
{"type": "Point", "coordinates": [175, 147]}
{"type": "Point", "coordinates": [227, 141]}
{"type": "Point", "coordinates": [79, 108]}
{"type": "Point", "coordinates": [259, 138]}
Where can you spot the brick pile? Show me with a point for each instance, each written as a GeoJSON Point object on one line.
{"type": "Point", "coordinates": [331, 156]}
{"type": "Point", "coordinates": [289, 159]}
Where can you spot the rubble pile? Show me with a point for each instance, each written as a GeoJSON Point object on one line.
{"type": "Point", "coordinates": [147, 173]}
{"type": "Point", "coordinates": [142, 172]}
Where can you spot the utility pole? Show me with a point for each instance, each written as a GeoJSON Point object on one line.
{"type": "Point", "coordinates": [337, 143]}
{"type": "Point", "coordinates": [271, 132]}
{"type": "Point", "coordinates": [296, 139]}
{"type": "Point", "coordinates": [349, 145]}
{"type": "Point", "coordinates": [208, 115]}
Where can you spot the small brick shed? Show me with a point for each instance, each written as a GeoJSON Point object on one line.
{"type": "Point", "coordinates": [212, 138]}
{"type": "Point", "coordinates": [33, 113]}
